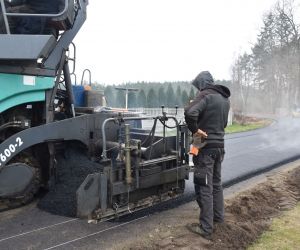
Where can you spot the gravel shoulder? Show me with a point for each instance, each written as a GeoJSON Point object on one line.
{"type": "Point", "coordinates": [250, 209]}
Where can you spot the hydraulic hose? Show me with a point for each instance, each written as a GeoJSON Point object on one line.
{"type": "Point", "coordinates": [14, 124]}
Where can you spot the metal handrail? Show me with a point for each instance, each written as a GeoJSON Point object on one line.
{"type": "Point", "coordinates": [104, 150]}
{"type": "Point", "coordinates": [90, 77]}
{"type": "Point", "coordinates": [6, 14]}
{"type": "Point", "coordinates": [41, 15]}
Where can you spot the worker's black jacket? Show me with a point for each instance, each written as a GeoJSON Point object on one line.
{"type": "Point", "coordinates": [209, 112]}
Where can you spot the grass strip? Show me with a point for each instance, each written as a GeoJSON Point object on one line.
{"type": "Point", "coordinates": [284, 233]}
{"type": "Point", "coordinates": [236, 127]}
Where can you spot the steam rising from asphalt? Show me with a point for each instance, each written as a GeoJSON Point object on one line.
{"type": "Point", "coordinates": [284, 133]}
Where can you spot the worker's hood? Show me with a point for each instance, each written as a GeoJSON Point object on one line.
{"type": "Point", "coordinates": [224, 91]}
{"type": "Point", "coordinates": [203, 80]}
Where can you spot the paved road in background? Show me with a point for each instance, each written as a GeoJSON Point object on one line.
{"type": "Point", "coordinates": [253, 151]}
{"type": "Point", "coordinates": [246, 153]}
{"type": "Point", "coordinates": [250, 152]}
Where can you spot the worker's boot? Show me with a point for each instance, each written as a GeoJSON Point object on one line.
{"type": "Point", "coordinates": [197, 229]}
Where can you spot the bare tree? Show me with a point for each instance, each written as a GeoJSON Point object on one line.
{"type": "Point", "coordinates": [272, 70]}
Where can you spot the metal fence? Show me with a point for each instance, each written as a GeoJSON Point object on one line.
{"type": "Point", "coordinates": [178, 113]}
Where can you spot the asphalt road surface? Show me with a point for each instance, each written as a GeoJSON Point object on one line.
{"type": "Point", "coordinates": [246, 154]}
{"type": "Point", "coordinates": [259, 150]}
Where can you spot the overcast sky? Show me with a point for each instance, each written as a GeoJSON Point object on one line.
{"type": "Point", "coordinates": [165, 40]}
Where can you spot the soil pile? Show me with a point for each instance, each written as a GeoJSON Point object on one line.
{"type": "Point", "coordinates": [251, 213]}
{"type": "Point", "coordinates": [247, 216]}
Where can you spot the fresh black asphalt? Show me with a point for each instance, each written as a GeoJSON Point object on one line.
{"type": "Point", "coordinates": [246, 154]}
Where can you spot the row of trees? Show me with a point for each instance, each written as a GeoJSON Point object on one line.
{"type": "Point", "coordinates": [150, 96]}
{"type": "Point", "coordinates": [269, 76]}
{"type": "Point", "coordinates": [153, 95]}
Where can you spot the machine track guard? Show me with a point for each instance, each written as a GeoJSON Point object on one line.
{"type": "Point", "coordinates": [135, 177]}
{"type": "Point", "coordinates": [92, 194]}
{"type": "Point", "coordinates": [96, 196]}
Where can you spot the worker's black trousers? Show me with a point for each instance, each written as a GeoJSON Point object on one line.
{"type": "Point", "coordinates": [208, 186]}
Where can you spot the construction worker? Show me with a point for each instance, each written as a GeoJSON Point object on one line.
{"type": "Point", "coordinates": [206, 117]}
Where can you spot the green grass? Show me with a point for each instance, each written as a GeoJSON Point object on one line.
{"type": "Point", "coordinates": [284, 233]}
{"type": "Point", "coordinates": [235, 127]}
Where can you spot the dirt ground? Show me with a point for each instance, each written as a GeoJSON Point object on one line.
{"type": "Point", "coordinates": [248, 214]}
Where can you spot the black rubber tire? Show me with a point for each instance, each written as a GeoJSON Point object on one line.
{"type": "Point", "coordinates": [28, 194]}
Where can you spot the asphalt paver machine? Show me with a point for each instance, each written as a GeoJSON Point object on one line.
{"type": "Point", "coordinates": [133, 167]}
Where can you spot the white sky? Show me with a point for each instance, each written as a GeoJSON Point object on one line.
{"type": "Point", "coordinates": [165, 40]}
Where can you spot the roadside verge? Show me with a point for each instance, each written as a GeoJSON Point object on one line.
{"type": "Point", "coordinates": [250, 208]}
